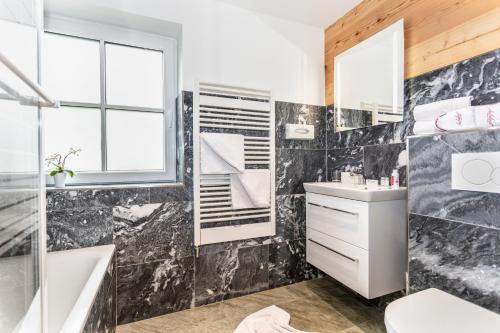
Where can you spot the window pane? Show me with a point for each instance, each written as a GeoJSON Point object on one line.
{"type": "Point", "coordinates": [134, 140]}
{"type": "Point", "coordinates": [77, 128]}
{"type": "Point", "coordinates": [71, 68]}
{"type": "Point", "coordinates": [134, 76]}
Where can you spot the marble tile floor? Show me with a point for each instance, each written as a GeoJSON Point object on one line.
{"type": "Point", "coordinates": [321, 305]}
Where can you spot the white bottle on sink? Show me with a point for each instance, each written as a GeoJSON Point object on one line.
{"type": "Point", "coordinates": [395, 178]}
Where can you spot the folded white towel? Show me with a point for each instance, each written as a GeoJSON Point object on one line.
{"type": "Point", "coordinates": [430, 111]}
{"type": "Point", "coordinates": [222, 153]}
{"type": "Point", "coordinates": [425, 127]}
{"type": "Point", "coordinates": [251, 189]}
{"type": "Point", "coordinates": [457, 120]}
{"type": "Point", "coordinates": [268, 320]}
{"type": "Point", "coordinates": [487, 115]}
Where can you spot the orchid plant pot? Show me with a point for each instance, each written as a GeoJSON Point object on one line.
{"type": "Point", "coordinates": [60, 179]}
{"type": "Point", "coordinates": [60, 172]}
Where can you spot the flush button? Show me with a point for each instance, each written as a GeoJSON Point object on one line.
{"type": "Point", "coordinates": [476, 172]}
{"type": "Point", "coordinates": [495, 176]}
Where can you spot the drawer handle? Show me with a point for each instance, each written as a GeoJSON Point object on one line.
{"type": "Point", "coordinates": [335, 209]}
{"type": "Point", "coordinates": [332, 250]}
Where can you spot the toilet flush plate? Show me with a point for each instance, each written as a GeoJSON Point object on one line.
{"type": "Point", "coordinates": [476, 172]}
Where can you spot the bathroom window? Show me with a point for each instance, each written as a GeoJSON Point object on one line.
{"type": "Point", "coordinates": [117, 93]}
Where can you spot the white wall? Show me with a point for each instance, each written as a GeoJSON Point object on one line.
{"type": "Point", "coordinates": [227, 44]}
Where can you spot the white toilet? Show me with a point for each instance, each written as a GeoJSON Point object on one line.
{"type": "Point", "coordinates": [434, 311]}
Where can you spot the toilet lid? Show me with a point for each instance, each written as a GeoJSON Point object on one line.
{"type": "Point", "coordinates": [434, 311]}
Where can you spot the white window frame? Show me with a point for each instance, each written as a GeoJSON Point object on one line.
{"type": "Point", "coordinates": [108, 34]}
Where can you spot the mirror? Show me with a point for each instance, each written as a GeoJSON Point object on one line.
{"type": "Point", "coordinates": [369, 80]}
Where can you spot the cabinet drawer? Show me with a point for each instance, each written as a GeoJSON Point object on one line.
{"type": "Point", "coordinates": [344, 262]}
{"type": "Point", "coordinates": [341, 218]}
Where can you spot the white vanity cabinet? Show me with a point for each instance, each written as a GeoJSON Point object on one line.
{"type": "Point", "coordinates": [362, 244]}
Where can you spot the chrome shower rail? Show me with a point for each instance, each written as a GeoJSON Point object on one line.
{"type": "Point", "coordinates": [27, 100]}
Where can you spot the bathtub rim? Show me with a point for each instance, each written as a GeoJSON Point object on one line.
{"type": "Point", "coordinates": [79, 314]}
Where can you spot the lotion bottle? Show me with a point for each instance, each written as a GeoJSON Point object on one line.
{"type": "Point", "coordinates": [395, 178]}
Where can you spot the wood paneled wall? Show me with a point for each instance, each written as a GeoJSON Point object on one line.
{"type": "Point", "coordinates": [437, 32]}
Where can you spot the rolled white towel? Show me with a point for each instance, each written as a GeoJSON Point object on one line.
{"type": "Point", "coordinates": [487, 115]}
{"type": "Point", "coordinates": [430, 111]}
{"type": "Point", "coordinates": [425, 127]}
{"type": "Point", "coordinates": [457, 120]}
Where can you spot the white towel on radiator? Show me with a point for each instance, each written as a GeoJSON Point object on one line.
{"type": "Point", "coordinates": [222, 153]}
{"type": "Point", "coordinates": [268, 320]}
{"type": "Point", "coordinates": [251, 189]}
{"type": "Point", "coordinates": [430, 111]}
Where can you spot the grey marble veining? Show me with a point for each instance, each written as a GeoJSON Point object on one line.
{"type": "Point", "coordinates": [430, 178]}
{"type": "Point", "coordinates": [61, 199]}
{"type": "Point", "coordinates": [289, 171]}
{"type": "Point", "coordinates": [290, 217]}
{"type": "Point", "coordinates": [345, 160]}
{"type": "Point", "coordinates": [156, 288]}
{"type": "Point", "coordinates": [380, 160]}
{"type": "Point", "coordinates": [231, 273]}
{"type": "Point", "coordinates": [186, 119]}
{"type": "Point", "coordinates": [330, 126]}
{"type": "Point", "coordinates": [293, 113]}
{"type": "Point", "coordinates": [58, 199]}
{"type": "Point", "coordinates": [152, 232]}
{"type": "Point", "coordinates": [353, 118]}
{"type": "Point", "coordinates": [287, 263]}
{"type": "Point", "coordinates": [76, 228]}
{"type": "Point", "coordinates": [296, 166]}
{"type": "Point", "coordinates": [314, 166]}
{"type": "Point", "coordinates": [459, 258]}
{"type": "Point", "coordinates": [373, 135]}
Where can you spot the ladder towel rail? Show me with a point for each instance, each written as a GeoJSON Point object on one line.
{"type": "Point", "coordinates": [229, 109]}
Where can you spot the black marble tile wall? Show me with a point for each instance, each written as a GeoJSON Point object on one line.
{"type": "Point", "coordinates": [296, 162]}
{"type": "Point", "coordinates": [231, 273]}
{"type": "Point", "coordinates": [459, 258]}
{"type": "Point", "coordinates": [152, 229]}
{"type": "Point", "coordinates": [430, 179]}
{"type": "Point", "coordinates": [354, 118]}
{"type": "Point", "coordinates": [155, 288]}
{"type": "Point", "coordinates": [372, 151]}
{"type": "Point", "coordinates": [454, 235]}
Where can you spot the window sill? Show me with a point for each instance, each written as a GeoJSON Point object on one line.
{"type": "Point", "coordinates": [113, 186]}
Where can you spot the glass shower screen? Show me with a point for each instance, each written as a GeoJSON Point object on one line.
{"type": "Point", "coordinates": [21, 190]}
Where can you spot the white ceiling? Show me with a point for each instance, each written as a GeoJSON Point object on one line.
{"type": "Point", "coordinates": [319, 13]}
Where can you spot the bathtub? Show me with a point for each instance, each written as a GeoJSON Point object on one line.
{"type": "Point", "coordinates": [74, 279]}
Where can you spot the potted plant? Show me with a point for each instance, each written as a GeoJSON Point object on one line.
{"type": "Point", "coordinates": [59, 163]}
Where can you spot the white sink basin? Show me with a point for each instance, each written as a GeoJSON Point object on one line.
{"type": "Point", "coordinates": [357, 192]}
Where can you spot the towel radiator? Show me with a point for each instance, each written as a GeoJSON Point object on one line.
{"type": "Point", "coordinates": [228, 109]}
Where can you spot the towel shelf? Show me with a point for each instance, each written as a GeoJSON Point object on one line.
{"type": "Point", "coordinates": [228, 109]}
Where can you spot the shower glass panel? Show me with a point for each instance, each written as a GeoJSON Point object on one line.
{"type": "Point", "coordinates": [21, 190]}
